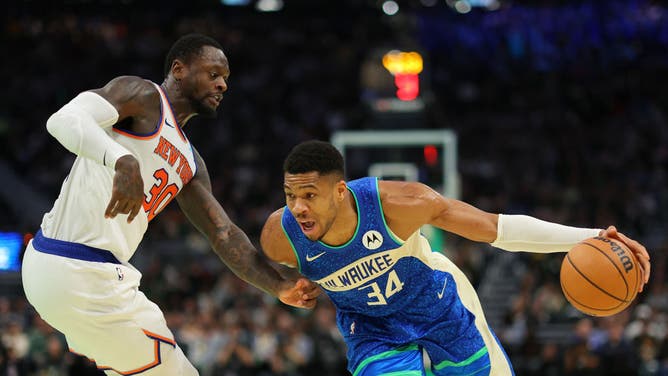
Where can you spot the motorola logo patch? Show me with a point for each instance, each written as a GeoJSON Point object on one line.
{"type": "Point", "coordinates": [372, 239]}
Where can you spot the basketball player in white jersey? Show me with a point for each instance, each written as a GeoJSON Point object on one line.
{"type": "Point", "coordinates": [132, 160]}
{"type": "Point", "coordinates": [395, 298]}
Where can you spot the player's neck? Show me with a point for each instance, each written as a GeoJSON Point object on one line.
{"type": "Point", "coordinates": [181, 106]}
{"type": "Point", "coordinates": [345, 223]}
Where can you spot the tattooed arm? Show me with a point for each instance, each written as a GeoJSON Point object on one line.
{"type": "Point", "coordinates": [233, 246]}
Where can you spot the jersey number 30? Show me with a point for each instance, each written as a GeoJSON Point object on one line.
{"type": "Point", "coordinates": [393, 286]}
{"type": "Point", "coordinates": [161, 194]}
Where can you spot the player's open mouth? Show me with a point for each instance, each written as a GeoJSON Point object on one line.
{"type": "Point", "coordinates": [307, 226]}
{"type": "Point", "coordinates": [215, 99]}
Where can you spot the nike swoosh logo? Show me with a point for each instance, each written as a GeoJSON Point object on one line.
{"type": "Point", "coordinates": [440, 294]}
{"type": "Point", "coordinates": [311, 258]}
{"type": "Point", "coordinates": [104, 158]}
{"type": "Point", "coordinates": [169, 125]}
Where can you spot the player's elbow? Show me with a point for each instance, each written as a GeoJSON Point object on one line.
{"type": "Point", "coordinates": [54, 124]}
{"type": "Point", "coordinates": [66, 129]}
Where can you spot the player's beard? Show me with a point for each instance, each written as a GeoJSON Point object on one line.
{"type": "Point", "coordinates": [202, 109]}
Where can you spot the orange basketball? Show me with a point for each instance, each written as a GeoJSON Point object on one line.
{"type": "Point", "coordinates": [600, 276]}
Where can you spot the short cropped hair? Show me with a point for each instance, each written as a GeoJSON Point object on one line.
{"type": "Point", "coordinates": [314, 156]}
{"type": "Point", "coordinates": [187, 47]}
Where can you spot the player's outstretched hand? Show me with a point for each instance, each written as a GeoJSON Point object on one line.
{"type": "Point", "coordinates": [301, 293]}
{"type": "Point", "coordinates": [127, 194]}
{"type": "Point", "coordinates": [638, 250]}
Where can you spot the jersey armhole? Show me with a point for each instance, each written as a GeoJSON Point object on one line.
{"type": "Point", "coordinates": [382, 215]}
{"type": "Point", "coordinates": [292, 245]}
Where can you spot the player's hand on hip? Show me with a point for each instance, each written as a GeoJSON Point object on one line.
{"type": "Point", "coordinates": [638, 250]}
{"type": "Point", "coordinates": [127, 193]}
{"type": "Point", "coordinates": [301, 293]}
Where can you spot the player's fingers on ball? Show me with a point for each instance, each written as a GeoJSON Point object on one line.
{"type": "Point", "coordinates": [611, 232]}
{"type": "Point", "coordinates": [635, 245]}
{"type": "Point", "coordinates": [647, 268]}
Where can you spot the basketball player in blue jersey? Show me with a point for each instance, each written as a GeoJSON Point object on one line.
{"type": "Point", "coordinates": [132, 160]}
{"type": "Point", "coordinates": [361, 242]}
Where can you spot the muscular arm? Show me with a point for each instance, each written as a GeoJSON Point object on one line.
{"type": "Point", "coordinates": [228, 241]}
{"type": "Point", "coordinates": [82, 126]}
{"type": "Point", "coordinates": [408, 206]}
{"type": "Point", "coordinates": [133, 97]}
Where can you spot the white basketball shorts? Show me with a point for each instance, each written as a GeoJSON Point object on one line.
{"type": "Point", "coordinates": [94, 300]}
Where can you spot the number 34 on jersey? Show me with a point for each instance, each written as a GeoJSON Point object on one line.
{"type": "Point", "coordinates": [360, 275]}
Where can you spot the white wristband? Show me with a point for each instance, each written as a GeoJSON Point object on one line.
{"type": "Point", "coordinates": [81, 126]}
{"type": "Point", "coordinates": [521, 233]}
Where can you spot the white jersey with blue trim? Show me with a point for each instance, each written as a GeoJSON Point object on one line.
{"type": "Point", "coordinates": [167, 163]}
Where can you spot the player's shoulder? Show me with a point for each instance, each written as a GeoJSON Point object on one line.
{"type": "Point", "coordinates": [130, 88]}
{"type": "Point", "coordinates": [275, 243]}
{"type": "Point", "coordinates": [131, 82]}
{"type": "Point", "coordinates": [388, 189]}
{"type": "Point", "coordinates": [130, 94]}
{"type": "Point", "coordinates": [398, 196]}
{"type": "Point", "coordinates": [273, 222]}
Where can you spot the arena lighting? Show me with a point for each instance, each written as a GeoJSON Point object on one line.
{"type": "Point", "coordinates": [269, 5]}
{"type": "Point", "coordinates": [465, 6]}
{"type": "Point", "coordinates": [405, 67]}
{"type": "Point", "coordinates": [462, 6]}
{"type": "Point", "coordinates": [390, 7]}
{"type": "Point", "coordinates": [430, 155]}
{"type": "Point", "coordinates": [235, 3]}
{"type": "Point", "coordinates": [482, 3]}
{"type": "Point", "coordinates": [11, 244]}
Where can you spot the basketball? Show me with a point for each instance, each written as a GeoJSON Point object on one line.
{"type": "Point", "coordinates": [600, 276]}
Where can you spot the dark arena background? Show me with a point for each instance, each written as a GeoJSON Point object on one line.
{"type": "Point", "coordinates": [555, 109]}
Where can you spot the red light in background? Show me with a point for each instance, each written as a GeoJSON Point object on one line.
{"type": "Point", "coordinates": [408, 86]}
{"type": "Point", "coordinates": [430, 155]}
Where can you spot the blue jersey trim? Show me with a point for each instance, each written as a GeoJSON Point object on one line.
{"type": "Point", "coordinates": [382, 215]}
{"type": "Point", "coordinates": [72, 250]}
{"type": "Point", "coordinates": [294, 249]}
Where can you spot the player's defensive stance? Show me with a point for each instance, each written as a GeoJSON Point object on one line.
{"type": "Point", "coordinates": [132, 160]}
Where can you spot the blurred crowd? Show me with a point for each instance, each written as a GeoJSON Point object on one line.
{"type": "Point", "coordinates": [560, 112]}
